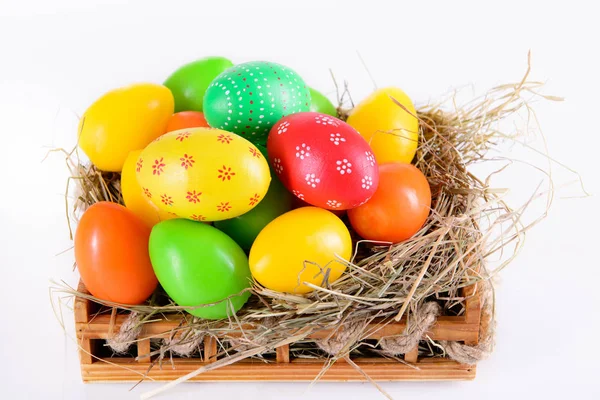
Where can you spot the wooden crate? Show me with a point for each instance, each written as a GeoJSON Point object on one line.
{"type": "Point", "coordinates": [97, 368]}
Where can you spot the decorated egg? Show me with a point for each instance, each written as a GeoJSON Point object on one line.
{"type": "Point", "coordinates": [245, 228]}
{"type": "Point", "coordinates": [323, 161]}
{"type": "Point", "coordinates": [304, 245]}
{"type": "Point", "coordinates": [391, 131]}
{"type": "Point", "coordinates": [124, 120]}
{"type": "Point", "coordinates": [133, 195]}
{"type": "Point", "coordinates": [299, 203]}
{"type": "Point", "coordinates": [186, 119]}
{"type": "Point", "coordinates": [198, 265]}
{"type": "Point", "coordinates": [320, 103]}
{"type": "Point", "coordinates": [203, 174]}
{"type": "Point", "coordinates": [111, 251]}
{"type": "Point", "coordinates": [248, 99]}
{"type": "Point", "coordinates": [399, 207]}
{"type": "Point", "coordinates": [189, 82]}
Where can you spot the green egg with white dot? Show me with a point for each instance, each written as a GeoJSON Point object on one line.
{"type": "Point", "coordinates": [248, 99]}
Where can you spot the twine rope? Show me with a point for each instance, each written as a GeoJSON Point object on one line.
{"type": "Point", "coordinates": [128, 333]}
{"type": "Point", "coordinates": [423, 320]}
{"type": "Point", "coordinates": [470, 355]}
{"type": "Point", "coordinates": [346, 336]}
{"type": "Point", "coordinates": [183, 345]}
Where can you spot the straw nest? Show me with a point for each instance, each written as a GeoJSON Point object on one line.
{"type": "Point", "coordinates": [468, 224]}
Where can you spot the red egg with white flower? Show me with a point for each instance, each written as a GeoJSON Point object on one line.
{"type": "Point", "coordinates": [323, 160]}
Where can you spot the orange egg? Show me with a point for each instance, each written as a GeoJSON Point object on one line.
{"type": "Point", "coordinates": [399, 207]}
{"type": "Point", "coordinates": [111, 251]}
{"type": "Point", "coordinates": [186, 119]}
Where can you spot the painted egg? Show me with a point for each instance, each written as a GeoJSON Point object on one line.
{"type": "Point", "coordinates": [111, 251]}
{"type": "Point", "coordinates": [391, 131]}
{"type": "Point", "coordinates": [245, 228]}
{"type": "Point", "coordinates": [320, 103]}
{"type": "Point", "coordinates": [323, 161]}
{"type": "Point", "coordinates": [248, 99]}
{"type": "Point", "coordinates": [399, 208]}
{"type": "Point", "coordinates": [186, 119]}
{"type": "Point", "coordinates": [299, 203]}
{"type": "Point", "coordinates": [198, 265]}
{"type": "Point", "coordinates": [124, 120]}
{"type": "Point", "coordinates": [188, 84]}
{"type": "Point", "coordinates": [304, 245]}
{"type": "Point", "coordinates": [133, 195]}
{"type": "Point", "coordinates": [203, 174]}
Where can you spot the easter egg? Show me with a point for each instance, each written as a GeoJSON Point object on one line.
{"type": "Point", "coordinates": [392, 132]}
{"type": "Point", "coordinates": [248, 99]}
{"type": "Point", "coordinates": [203, 174]}
{"type": "Point", "coordinates": [302, 245]}
{"type": "Point", "coordinates": [111, 252]}
{"type": "Point", "coordinates": [399, 207]}
{"type": "Point", "coordinates": [133, 194]}
{"type": "Point", "coordinates": [298, 203]}
{"type": "Point", "coordinates": [186, 119]}
{"type": "Point", "coordinates": [245, 228]}
{"type": "Point", "coordinates": [320, 103]}
{"type": "Point", "coordinates": [123, 120]}
{"type": "Point", "coordinates": [196, 264]}
{"type": "Point", "coordinates": [189, 83]}
{"type": "Point", "coordinates": [323, 161]}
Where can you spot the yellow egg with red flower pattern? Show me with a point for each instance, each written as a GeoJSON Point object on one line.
{"type": "Point", "coordinates": [134, 197]}
{"type": "Point", "coordinates": [203, 174]}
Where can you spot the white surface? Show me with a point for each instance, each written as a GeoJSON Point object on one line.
{"type": "Point", "coordinates": [57, 56]}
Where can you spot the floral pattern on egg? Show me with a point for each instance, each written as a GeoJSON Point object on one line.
{"type": "Point", "coordinates": [323, 161]}
{"type": "Point", "coordinates": [192, 177]}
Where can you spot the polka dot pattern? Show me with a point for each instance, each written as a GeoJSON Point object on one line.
{"type": "Point", "coordinates": [248, 99]}
{"type": "Point", "coordinates": [323, 161]}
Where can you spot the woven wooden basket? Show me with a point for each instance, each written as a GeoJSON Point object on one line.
{"type": "Point", "coordinates": [95, 324]}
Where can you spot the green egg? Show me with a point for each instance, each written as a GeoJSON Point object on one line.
{"type": "Point", "coordinates": [245, 228]}
{"type": "Point", "coordinates": [196, 264]}
{"type": "Point", "coordinates": [189, 83]}
{"type": "Point", "coordinates": [321, 104]}
{"type": "Point", "coordinates": [248, 99]}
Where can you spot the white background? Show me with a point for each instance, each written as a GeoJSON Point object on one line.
{"type": "Point", "coordinates": [56, 57]}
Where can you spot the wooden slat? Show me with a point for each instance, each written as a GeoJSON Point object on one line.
{"type": "Point", "coordinates": [413, 355]}
{"type": "Point", "coordinates": [465, 328]}
{"type": "Point", "coordinates": [283, 354]}
{"type": "Point", "coordinates": [81, 309]}
{"type": "Point", "coordinates": [85, 351]}
{"type": "Point", "coordinates": [446, 328]}
{"type": "Point", "coordinates": [472, 312]}
{"type": "Point", "coordinates": [143, 348]}
{"type": "Point", "coordinates": [81, 306]}
{"type": "Point", "coordinates": [210, 349]}
{"type": "Point", "coordinates": [296, 371]}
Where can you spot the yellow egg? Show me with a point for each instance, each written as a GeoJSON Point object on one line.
{"type": "Point", "coordinates": [300, 246]}
{"type": "Point", "coordinates": [392, 132]}
{"type": "Point", "coordinates": [124, 120]}
{"type": "Point", "coordinates": [203, 174]}
{"type": "Point", "coordinates": [134, 197]}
